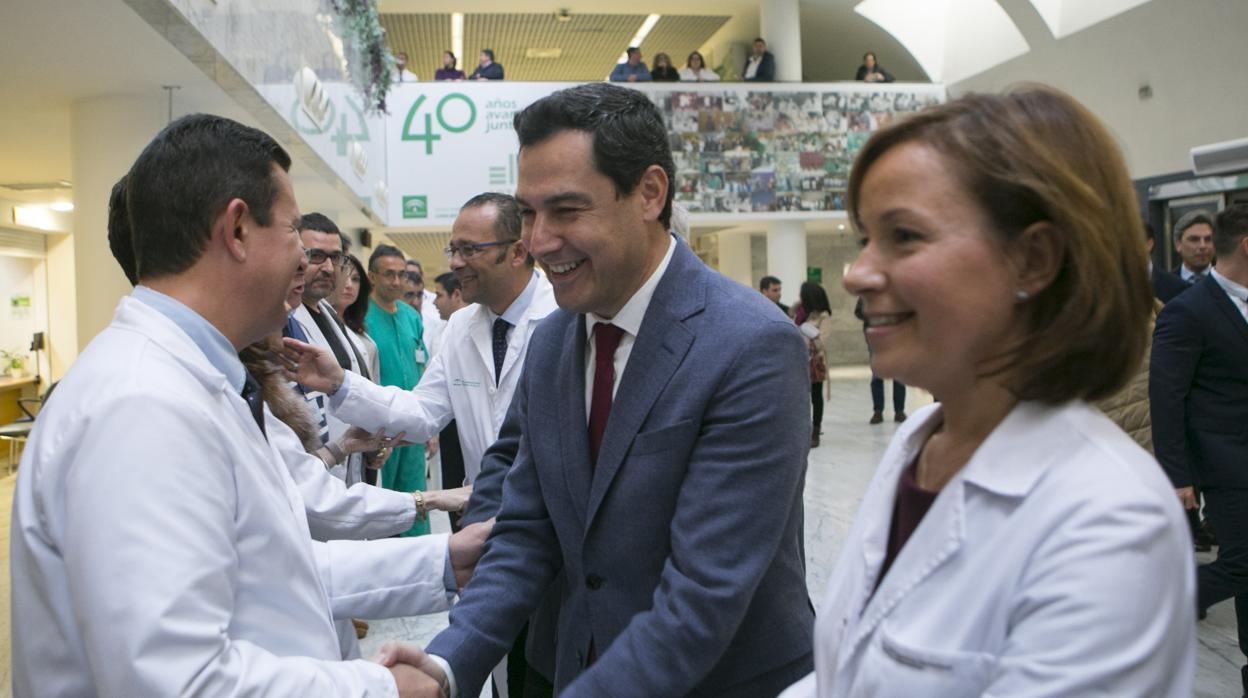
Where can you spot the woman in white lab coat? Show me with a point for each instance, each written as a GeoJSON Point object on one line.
{"type": "Point", "coordinates": [1014, 541]}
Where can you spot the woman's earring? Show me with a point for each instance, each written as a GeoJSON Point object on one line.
{"type": "Point", "coordinates": [1022, 295]}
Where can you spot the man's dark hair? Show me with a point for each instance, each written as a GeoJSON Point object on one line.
{"type": "Point", "coordinates": [507, 222]}
{"type": "Point", "coordinates": [1189, 219]}
{"type": "Point", "coordinates": [416, 278]}
{"type": "Point", "coordinates": [383, 251]}
{"type": "Point", "coordinates": [1149, 232]}
{"type": "Point", "coordinates": [183, 180]}
{"type": "Point", "coordinates": [629, 135]}
{"type": "Point", "coordinates": [767, 282]}
{"type": "Point", "coordinates": [1230, 228]}
{"type": "Point", "coordinates": [449, 282]}
{"type": "Point", "coordinates": [489, 52]}
{"type": "Point", "coordinates": [758, 39]}
{"type": "Point", "coordinates": [419, 267]}
{"type": "Point", "coordinates": [318, 222]}
{"type": "Point", "coordinates": [632, 49]}
{"type": "Point", "coordinates": [119, 240]}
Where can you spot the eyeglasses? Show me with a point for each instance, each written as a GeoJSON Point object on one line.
{"type": "Point", "coordinates": [316, 256]}
{"type": "Point", "coordinates": [470, 250]}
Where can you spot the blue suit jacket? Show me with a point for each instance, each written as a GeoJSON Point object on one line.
{"type": "Point", "coordinates": [1198, 389]}
{"type": "Point", "coordinates": [681, 552]}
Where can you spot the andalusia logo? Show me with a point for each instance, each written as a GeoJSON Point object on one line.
{"type": "Point", "coordinates": [416, 206]}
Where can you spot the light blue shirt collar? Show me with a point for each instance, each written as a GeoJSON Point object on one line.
{"type": "Point", "coordinates": [217, 349]}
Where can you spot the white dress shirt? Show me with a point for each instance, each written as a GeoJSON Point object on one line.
{"type": "Point", "coordinates": [629, 319]}
{"type": "Point", "coordinates": [1237, 293]}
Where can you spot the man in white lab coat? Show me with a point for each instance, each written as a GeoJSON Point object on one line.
{"type": "Point", "coordinates": [159, 545]}
{"type": "Point", "coordinates": [323, 244]}
{"type": "Point", "coordinates": [472, 379]}
{"type": "Point", "coordinates": [473, 376]}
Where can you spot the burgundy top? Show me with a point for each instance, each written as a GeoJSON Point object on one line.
{"type": "Point", "coordinates": [909, 509]}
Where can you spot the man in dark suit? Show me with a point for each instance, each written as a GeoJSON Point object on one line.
{"type": "Point", "coordinates": [761, 65]}
{"type": "Point", "coordinates": [653, 476]}
{"type": "Point", "coordinates": [1198, 393]}
{"type": "Point", "coordinates": [1166, 285]}
{"type": "Point", "coordinates": [1193, 241]}
{"type": "Point", "coordinates": [770, 286]}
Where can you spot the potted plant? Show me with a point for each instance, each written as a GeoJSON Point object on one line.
{"type": "Point", "coordinates": [14, 362]}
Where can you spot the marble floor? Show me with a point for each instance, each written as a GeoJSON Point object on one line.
{"type": "Point", "coordinates": [839, 472]}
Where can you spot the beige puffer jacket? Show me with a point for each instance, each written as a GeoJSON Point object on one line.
{"type": "Point", "coordinates": [1129, 406]}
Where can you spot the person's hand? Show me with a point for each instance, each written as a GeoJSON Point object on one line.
{"type": "Point", "coordinates": [632, 78]}
{"type": "Point", "coordinates": [356, 440]}
{"type": "Point", "coordinates": [452, 500]}
{"type": "Point", "coordinates": [1187, 497]}
{"type": "Point", "coordinates": [398, 654]}
{"type": "Point", "coordinates": [310, 366]}
{"type": "Point", "coordinates": [431, 447]}
{"type": "Point", "coordinates": [414, 683]}
{"type": "Point", "coordinates": [466, 548]}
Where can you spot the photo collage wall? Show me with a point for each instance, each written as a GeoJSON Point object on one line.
{"type": "Point", "coordinates": [748, 152]}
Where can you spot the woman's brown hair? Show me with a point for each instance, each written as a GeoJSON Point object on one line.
{"type": "Point", "coordinates": [1036, 155]}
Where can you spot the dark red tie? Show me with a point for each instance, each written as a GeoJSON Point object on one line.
{"type": "Point", "coordinates": [606, 339]}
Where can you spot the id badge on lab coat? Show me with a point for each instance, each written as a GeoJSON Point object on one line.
{"type": "Point", "coordinates": [421, 357]}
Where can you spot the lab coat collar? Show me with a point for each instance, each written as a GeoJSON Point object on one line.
{"type": "Point", "coordinates": [136, 316]}
{"type": "Point", "coordinates": [995, 467]}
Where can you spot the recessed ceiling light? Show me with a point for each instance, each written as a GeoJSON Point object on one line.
{"type": "Point", "coordinates": [840, 226]}
{"type": "Point", "coordinates": [543, 52]}
{"type": "Point", "coordinates": [62, 206]}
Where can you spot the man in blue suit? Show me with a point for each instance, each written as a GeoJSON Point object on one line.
{"type": "Point", "coordinates": [1198, 392]}
{"type": "Point", "coordinates": [662, 456]}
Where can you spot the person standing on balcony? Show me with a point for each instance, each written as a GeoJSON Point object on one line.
{"type": "Point", "coordinates": [761, 65]}
{"type": "Point", "coordinates": [631, 70]}
{"type": "Point", "coordinates": [488, 69]}
{"type": "Point", "coordinates": [448, 71]}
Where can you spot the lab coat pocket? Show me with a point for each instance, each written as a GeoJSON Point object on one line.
{"type": "Point", "coordinates": [904, 668]}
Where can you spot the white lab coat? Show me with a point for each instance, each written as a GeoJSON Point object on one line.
{"type": "Point", "coordinates": [431, 323]}
{"type": "Point", "coordinates": [1057, 563]}
{"type": "Point", "coordinates": [459, 384]}
{"type": "Point", "coordinates": [350, 471]}
{"type": "Point", "coordinates": [160, 547]}
{"type": "Point", "coordinates": [334, 510]}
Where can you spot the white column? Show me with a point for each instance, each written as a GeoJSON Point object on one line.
{"type": "Point", "coordinates": [780, 25]}
{"type": "Point", "coordinates": [786, 257]}
{"type": "Point", "coordinates": [106, 136]}
{"type": "Point", "coordinates": [734, 258]}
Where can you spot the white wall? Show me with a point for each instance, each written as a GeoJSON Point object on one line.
{"type": "Point", "coordinates": [22, 276]}
{"type": "Point", "coordinates": [1192, 52]}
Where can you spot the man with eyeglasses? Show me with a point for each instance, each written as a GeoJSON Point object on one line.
{"type": "Point", "coordinates": [474, 374]}
{"type": "Point", "coordinates": [397, 329]}
{"type": "Point", "coordinates": [322, 243]}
